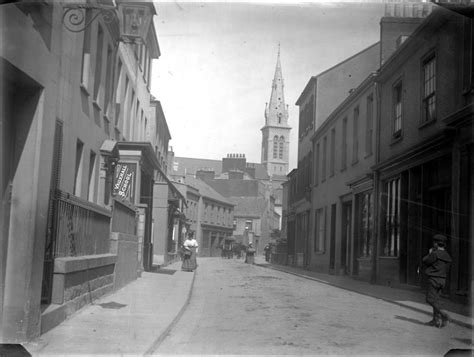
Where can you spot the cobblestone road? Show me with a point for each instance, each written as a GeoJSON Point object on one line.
{"type": "Point", "coordinates": [238, 308]}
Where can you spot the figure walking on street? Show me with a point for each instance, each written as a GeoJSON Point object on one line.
{"type": "Point", "coordinates": [437, 263]}
{"type": "Point", "coordinates": [250, 254]}
{"type": "Point", "coordinates": [268, 251]}
{"type": "Point", "coordinates": [190, 247]}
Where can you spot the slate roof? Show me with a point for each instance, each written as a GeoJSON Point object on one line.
{"type": "Point", "coordinates": [206, 191]}
{"type": "Point", "coordinates": [249, 206]}
{"type": "Point", "coordinates": [192, 165]}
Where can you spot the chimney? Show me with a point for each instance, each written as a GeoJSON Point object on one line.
{"type": "Point", "coordinates": [399, 22]}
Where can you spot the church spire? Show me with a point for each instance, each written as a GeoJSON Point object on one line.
{"type": "Point", "coordinates": [276, 112]}
{"type": "Point", "coordinates": [276, 131]}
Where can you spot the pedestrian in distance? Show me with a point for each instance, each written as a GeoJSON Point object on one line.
{"type": "Point", "coordinates": [190, 249]}
{"type": "Point", "coordinates": [437, 263]}
{"type": "Point", "coordinates": [267, 251]}
{"type": "Point", "coordinates": [250, 254]}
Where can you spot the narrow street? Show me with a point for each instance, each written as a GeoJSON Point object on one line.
{"type": "Point", "coordinates": [236, 308]}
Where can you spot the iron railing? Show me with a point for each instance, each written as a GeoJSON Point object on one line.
{"type": "Point", "coordinates": [81, 227]}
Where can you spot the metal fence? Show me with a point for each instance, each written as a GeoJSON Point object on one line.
{"type": "Point", "coordinates": [81, 227]}
{"type": "Point", "coordinates": [124, 218]}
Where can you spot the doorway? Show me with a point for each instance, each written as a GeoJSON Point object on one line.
{"type": "Point", "coordinates": [332, 257]}
{"type": "Point", "coordinates": [346, 233]}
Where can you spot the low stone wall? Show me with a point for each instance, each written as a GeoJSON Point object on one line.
{"type": "Point", "coordinates": [125, 246]}
{"type": "Point", "coordinates": [75, 277]}
{"type": "Point", "coordinates": [77, 281]}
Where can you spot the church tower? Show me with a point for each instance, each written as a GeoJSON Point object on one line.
{"type": "Point", "coordinates": [276, 131]}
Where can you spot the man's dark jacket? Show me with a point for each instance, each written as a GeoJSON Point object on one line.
{"type": "Point", "coordinates": [437, 263]}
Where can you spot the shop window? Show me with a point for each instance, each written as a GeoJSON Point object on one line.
{"type": "Point", "coordinates": [365, 224]}
{"type": "Point", "coordinates": [391, 244]}
{"type": "Point", "coordinates": [319, 230]}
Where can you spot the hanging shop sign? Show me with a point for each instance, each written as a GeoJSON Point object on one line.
{"type": "Point", "coordinates": [124, 181]}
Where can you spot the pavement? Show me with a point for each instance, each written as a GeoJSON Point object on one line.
{"type": "Point", "coordinates": [137, 318]}
{"type": "Point", "coordinates": [132, 320]}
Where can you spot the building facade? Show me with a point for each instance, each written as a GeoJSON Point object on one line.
{"type": "Point", "coordinates": [77, 171]}
{"type": "Point", "coordinates": [213, 217]}
{"type": "Point", "coordinates": [322, 94]}
{"type": "Point", "coordinates": [425, 151]}
{"type": "Point", "coordinates": [342, 195]}
{"type": "Point", "coordinates": [237, 180]}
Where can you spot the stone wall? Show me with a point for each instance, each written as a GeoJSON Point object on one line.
{"type": "Point", "coordinates": [77, 281]}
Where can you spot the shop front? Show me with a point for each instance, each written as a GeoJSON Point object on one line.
{"type": "Point", "coordinates": [420, 198]}
{"type": "Point", "coordinates": [133, 182]}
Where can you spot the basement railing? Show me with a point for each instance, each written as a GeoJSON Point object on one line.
{"type": "Point", "coordinates": [81, 227]}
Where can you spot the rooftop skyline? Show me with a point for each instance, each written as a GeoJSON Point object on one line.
{"type": "Point", "coordinates": [218, 60]}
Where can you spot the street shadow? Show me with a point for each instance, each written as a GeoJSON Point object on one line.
{"type": "Point", "coordinates": [457, 352]}
{"type": "Point", "coordinates": [159, 270]}
{"type": "Point", "coordinates": [415, 321]}
{"type": "Point", "coordinates": [466, 341]}
{"type": "Point", "coordinates": [112, 305]}
{"type": "Point", "coordinates": [13, 350]}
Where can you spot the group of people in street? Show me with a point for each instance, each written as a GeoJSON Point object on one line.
{"type": "Point", "coordinates": [189, 252]}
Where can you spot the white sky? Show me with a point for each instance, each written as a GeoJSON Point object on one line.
{"type": "Point", "coordinates": [217, 63]}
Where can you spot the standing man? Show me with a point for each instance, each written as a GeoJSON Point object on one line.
{"type": "Point", "coordinates": [267, 251]}
{"type": "Point", "coordinates": [437, 264]}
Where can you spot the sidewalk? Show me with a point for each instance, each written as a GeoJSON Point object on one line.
{"type": "Point", "coordinates": [415, 300]}
{"type": "Point", "coordinates": [132, 320]}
